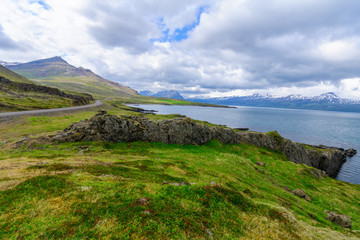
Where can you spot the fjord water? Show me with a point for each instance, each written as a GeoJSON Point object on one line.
{"type": "Point", "coordinates": [337, 129]}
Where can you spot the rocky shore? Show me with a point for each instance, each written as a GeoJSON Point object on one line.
{"type": "Point", "coordinates": [105, 127]}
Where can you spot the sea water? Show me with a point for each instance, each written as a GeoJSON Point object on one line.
{"type": "Point", "coordinates": [330, 128]}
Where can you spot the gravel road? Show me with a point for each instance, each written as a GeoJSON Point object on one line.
{"type": "Point", "coordinates": [36, 112]}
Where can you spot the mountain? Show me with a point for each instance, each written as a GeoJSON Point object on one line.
{"type": "Point", "coordinates": [19, 93]}
{"type": "Point", "coordinates": [326, 101]}
{"type": "Point", "coordinates": [56, 72]}
{"type": "Point", "coordinates": [165, 94]}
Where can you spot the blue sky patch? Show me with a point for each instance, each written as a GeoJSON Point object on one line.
{"type": "Point", "coordinates": [41, 3]}
{"type": "Point", "coordinates": [179, 33]}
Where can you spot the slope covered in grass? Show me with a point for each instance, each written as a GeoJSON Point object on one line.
{"type": "Point", "coordinates": [18, 93]}
{"type": "Point", "coordinates": [8, 74]}
{"type": "Point", "coordinates": [147, 190]}
{"type": "Point", "coordinates": [56, 72]}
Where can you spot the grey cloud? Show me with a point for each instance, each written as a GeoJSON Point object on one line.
{"type": "Point", "coordinates": [277, 37]}
{"type": "Point", "coordinates": [276, 43]}
{"type": "Point", "coordinates": [6, 43]}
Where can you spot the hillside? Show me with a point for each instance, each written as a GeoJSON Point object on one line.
{"type": "Point", "coordinates": [19, 93]}
{"type": "Point", "coordinates": [56, 72]}
{"type": "Point", "coordinates": [151, 190]}
{"type": "Point", "coordinates": [8, 74]}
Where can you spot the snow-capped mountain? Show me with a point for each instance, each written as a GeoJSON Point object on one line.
{"type": "Point", "coordinates": [326, 101]}
{"type": "Point", "coordinates": [6, 64]}
{"type": "Point", "coordinates": [166, 94]}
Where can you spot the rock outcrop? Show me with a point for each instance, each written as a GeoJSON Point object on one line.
{"type": "Point", "coordinates": [339, 219]}
{"type": "Point", "coordinates": [105, 127]}
{"type": "Point", "coordinates": [7, 85]}
{"type": "Point", "coordinates": [301, 193]}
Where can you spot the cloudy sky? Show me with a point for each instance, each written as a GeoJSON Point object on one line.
{"type": "Point", "coordinates": [198, 47]}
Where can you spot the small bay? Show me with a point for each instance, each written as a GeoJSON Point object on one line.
{"type": "Point", "coordinates": [337, 129]}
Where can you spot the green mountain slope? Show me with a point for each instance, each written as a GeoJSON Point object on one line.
{"type": "Point", "coordinates": [19, 93]}
{"type": "Point", "coordinates": [8, 74]}
{"type": "Point", "coordinates": [56, 72]}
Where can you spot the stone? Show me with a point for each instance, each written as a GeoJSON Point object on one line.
{"type": "Point", "coordinates": [318, 173]}
{"type": "Point", "coordinates": [142, 201]}
{"type": "Point", "coordinates": [350, 152]}
{"type": "Point", "coordinates": [307, 198]}
{"type": "Point", "coordinates": [339, 219]}
{"type": "Point", "coordinates": [299, 192]}
{"type": "Point", "coordinates": [261, 164]}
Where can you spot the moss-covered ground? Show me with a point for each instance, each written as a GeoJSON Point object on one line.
{"type": "Point", "coordinates": [147, 190]}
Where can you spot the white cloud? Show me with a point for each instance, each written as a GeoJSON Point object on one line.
{"type": "Point", "coordinates": [340, 50]}
{"type": "Point", "coordinates": [238, 46]}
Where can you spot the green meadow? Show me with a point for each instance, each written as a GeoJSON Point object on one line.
{"type": "Point", "coordinates": [149, 190]}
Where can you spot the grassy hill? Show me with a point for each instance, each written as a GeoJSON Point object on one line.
{"type": "Point", "coordinates": [148, 190]}
{"type": "Point", "coordinates": [8, 74]}
{"type": "Point", "coordinates": [19, 93]}
{"type": "Point", "coordinates": [56, 72]}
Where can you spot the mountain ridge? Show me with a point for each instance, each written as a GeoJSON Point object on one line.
{"type": "Point", "coordinates": [165, 94]}
{"type": "Point", "coordinates": [327, 101]}
{"type": "Point", "coordinates": [56, 72]}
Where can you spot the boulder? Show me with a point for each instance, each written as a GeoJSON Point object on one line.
{"type": "Point", "coordinates": [299, 192]}
{"type": "Point", "coordinates": [350, 152]}
{"type": "Point", "coordinates": [260, 163]}
{"type": "Point", "coordinates": [339, 219]}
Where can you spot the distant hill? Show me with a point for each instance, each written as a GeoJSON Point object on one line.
{"type": "Point", "coordinates": [327, 101]}
{"type": "Point", "coordinates": [19, 93]}
{"type": "Point", "coordinates": [165, 94]}
{"type": "Point", "coordinates": [6, 73]}
{"type": "Point", "coordinates": [56, 72]}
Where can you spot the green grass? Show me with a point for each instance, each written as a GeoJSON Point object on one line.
{"type": "Point", "coordinates": [19, 101]}
{"type": "Point", "coordinates": [155, 100]}
{"type": "Point", "coordinates": [85, 84]}
{"type": "Point", "coordinates": [94, 190]}
{"type": "Point", "coordinates": [8, 74]}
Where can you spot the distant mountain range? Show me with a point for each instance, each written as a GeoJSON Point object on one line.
{"type": "Point", "coordinates": [165, 94]}
{"type": "Point", "coordinates": [327, 101]}
{"type": "Point", "coordinates": [56, 72]}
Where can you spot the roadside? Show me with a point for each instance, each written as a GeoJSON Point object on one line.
{"type": "Point", "coordinates": [44, 111]}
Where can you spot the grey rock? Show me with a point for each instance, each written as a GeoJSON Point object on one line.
{"type": "Point", "coordinates": [339, 219]}
{"type": "Point", "coordinates": [299, 192]}
{"type": "Point", "coordinates": [105, 127]}
{"type": "Point", "coordinates": [318, 173]}
{"type": "Point", "coordinates": [350, 152]}
{"type": "Point", "coordinates": [142, 201]}
{"type": "Point", "coordinates": [260, 163]}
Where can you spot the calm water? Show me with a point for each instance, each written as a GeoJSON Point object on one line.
{"type": "Point", "coordinates": [336, 129]}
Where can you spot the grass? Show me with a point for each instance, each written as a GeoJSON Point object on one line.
{"type": "Point", "coordinates": [156, 100]}
{"type": "Point", "coordinates": [148, 190]}
{"type": "Point", "coordinates": [8, 74]}
{"type": "Point", "coordinates": [11, 101]}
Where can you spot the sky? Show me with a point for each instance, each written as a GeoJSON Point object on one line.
{"type": "Point", "coordinates": [197, 47]}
